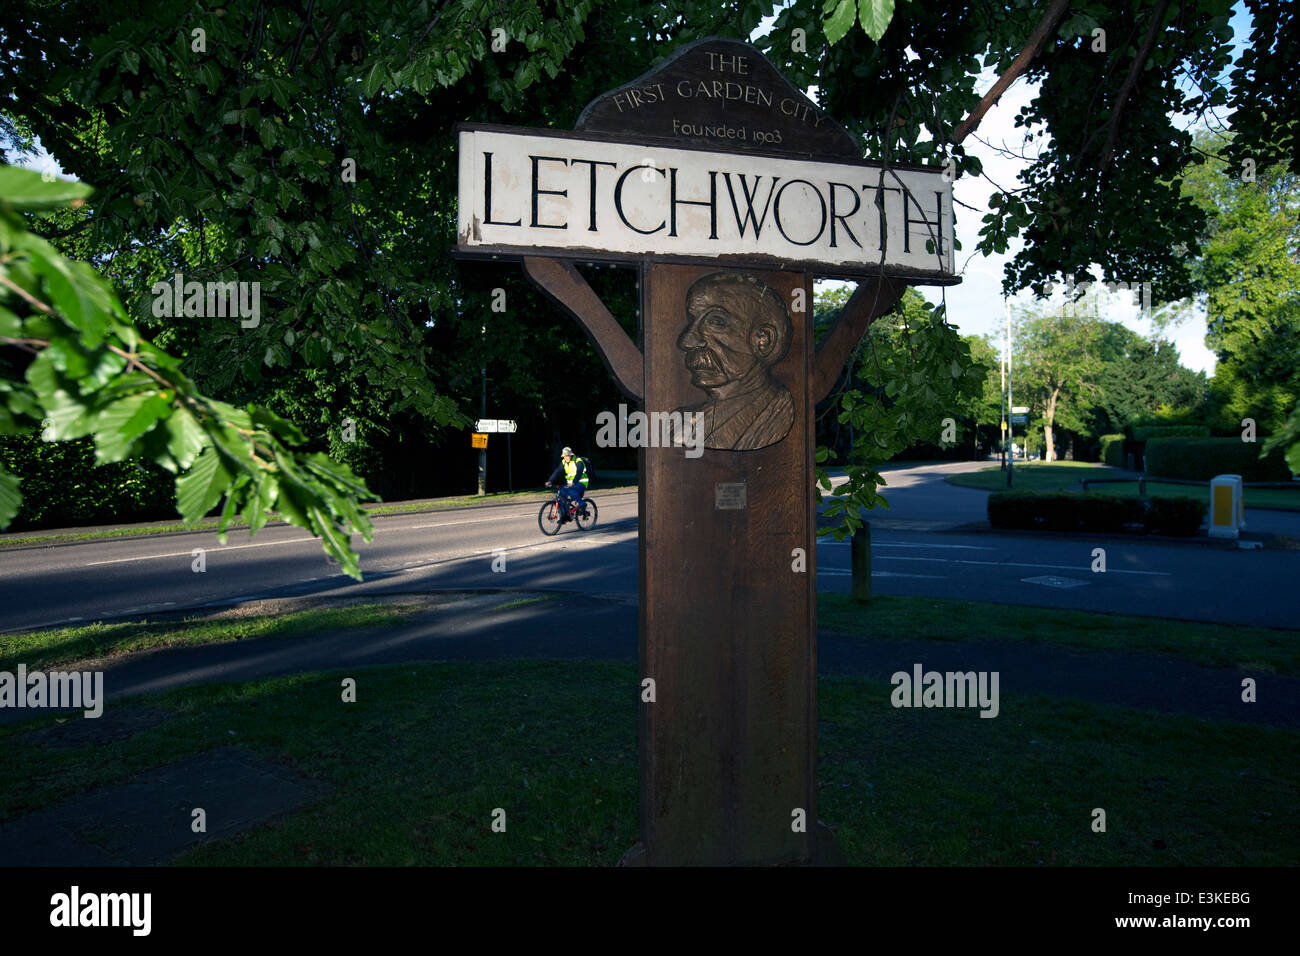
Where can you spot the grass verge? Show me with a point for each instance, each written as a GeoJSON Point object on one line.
{"type": "Point", "coordinates": [416, 767]}
{"type": "Point", "coordinates": [211, 524]}
{"type": "Point", "coordinates": [943, 619]}
{"type": "Point", "coordinates": [42, 649]}
{"type": "Point", "coordinates": [1065, 476]}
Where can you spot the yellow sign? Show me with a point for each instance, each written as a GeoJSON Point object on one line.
{"type": "Point", "coordinates": [478, 440]}
{"type": "Point", "coordinates": [1222, 505]}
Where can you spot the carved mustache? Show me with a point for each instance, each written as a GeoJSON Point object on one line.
{"type": "Point", "coordinates": [700, 359]}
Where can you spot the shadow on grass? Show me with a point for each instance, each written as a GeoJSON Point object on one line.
{"type": "Point", "coordinates": [420, 762]}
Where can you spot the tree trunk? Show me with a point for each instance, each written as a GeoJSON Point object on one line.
{"type": "Point", "coordinates": [1049, 448]}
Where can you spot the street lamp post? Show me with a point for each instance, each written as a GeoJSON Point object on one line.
{"type": "Point", "coordinates": [1011, 431]}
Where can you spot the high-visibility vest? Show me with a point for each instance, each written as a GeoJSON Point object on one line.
{"type": "Point", "coordinates": [571, 469]}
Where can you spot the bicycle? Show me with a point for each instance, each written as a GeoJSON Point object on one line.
{"type": "Point", "coordinates": [560, 510]}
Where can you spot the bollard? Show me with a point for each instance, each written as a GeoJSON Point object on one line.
{"type": "Point", "coordinates": [1227, 512]}
{"type": "Point", "coordinates": [861, 549]}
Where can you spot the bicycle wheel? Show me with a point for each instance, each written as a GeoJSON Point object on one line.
{"type": "Point", "coordinates": [590, 520]}
{"type": "Point", "coordinates": [548, 519]}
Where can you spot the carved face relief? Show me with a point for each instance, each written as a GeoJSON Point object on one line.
{"type": "Point", "coordinates": [737, 328]}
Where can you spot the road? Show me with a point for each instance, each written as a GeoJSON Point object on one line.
{"type": "Point", "coordinates": [915, 551]}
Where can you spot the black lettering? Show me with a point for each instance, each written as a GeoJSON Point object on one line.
{"type": "Point", "coordinates": [674, 202]}
{"type": "Point", "coordinates": [618, 200]}
{"type": "Point", "coordinates": [487, 196]}
{"type": "Point", "coordinates": [879, 202]}
{"type": "Point", "coordinates": [546, 192]}
{"type": "Point", "coordinates": [857, 203]}
{"type": "Point", "coordinates": [776, 212]}
{"type": "Point", "coordinates": [749, 203]}
{"type": "Point", "coordinates": [593, 163]}
{"type": "Point", "coordinates": [908, 221]}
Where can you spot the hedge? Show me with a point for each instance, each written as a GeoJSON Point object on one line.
{"type": "Point", "coordinates": [1112, 450]}
{"type": "Point", "coordinates": [1147, 432]}
{"type": "Point", "coordinates": [1062, 511]}
{"type": "Point", "coordinates": [1200, 459]}
{"type": "Point", "coordinates": [1176, 516]}
{"type": "Point", "coordinates": [63, 487]}
{"type": "Point", "coordinates": [1077, 511]}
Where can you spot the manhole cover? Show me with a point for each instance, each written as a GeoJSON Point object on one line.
{"type": "Point", "coordinates": [1055, 581]}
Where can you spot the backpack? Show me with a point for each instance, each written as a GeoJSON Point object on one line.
{"type": "Point", "coordinates": [590, 472]}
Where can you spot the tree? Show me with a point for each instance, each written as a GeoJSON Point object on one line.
{"type": "Point", "coordinates": [1057, 361]}
{"type": "Point", "coordinates": [1249, 280]}
{"type": "Point", "coordinates": [987, 410]}
{"type": "Point", "coordinates": [1137, 377]}
{"type": "Point", "coordinates": [911, 373]}
{"type": "Point", "coordinates": [90, 372]}
{"type": "Point", "coordinates": [309, 147]}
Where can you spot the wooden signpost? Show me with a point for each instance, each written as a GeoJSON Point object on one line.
{"type": "Point", "coordinates": [729, 191]}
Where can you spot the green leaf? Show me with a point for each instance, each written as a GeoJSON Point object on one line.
{"type": "Point", "coordinates": [25, 189]}
{"type": "Point", "coordinates": [839, 20]}
{"type": "Point", "coordinates": [373, 81]}
{"type": "Point", "coordinates": [120, 424]}
{"type": "Point", "coordinates": [261, 500]}
{"type": "Point", "coordinates": [10, 325]}
{"type": "Point", "coordinates": [10, 497]}
{"type": "Point", "coordinates": [199, 490]}
{"type": "Point", "coordinates": [185, 439]}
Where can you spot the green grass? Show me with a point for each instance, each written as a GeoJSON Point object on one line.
{"type": "Point", "coordinates": [211, 524]}
{"type": "Point", "coordinates": [1065, 476]}
{"type": "Point", "coordinates": [941, 619]}
{"type": "Point", "coordinates": [41, 649]}
{"type": "Point", "coordinates": [417, 765]}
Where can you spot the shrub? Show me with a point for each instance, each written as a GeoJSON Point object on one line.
{"type": "Point", "coordinates": [1147, 432]}
{"type": "Point", "coordinates": [1075, 511]}
{"type": "Point", "coordinates": [1112, 450]}
{"type": "Point", "coordinates": [1062, 511]}
{"type": "Point", "coordinates": [62, 486]}
{"type": "Point", "coordinates": [1175, 516]}
{"type": "Point", "coordinates": [1200, 459]}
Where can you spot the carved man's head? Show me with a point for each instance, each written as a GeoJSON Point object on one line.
{"type": "Point", "coordinates": [735, 326]}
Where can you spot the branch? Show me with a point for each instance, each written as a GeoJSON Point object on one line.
{"type": "Point", "coordinates": [1045, 28]}
{"type": "Point", "coordinates": [1148, 41]}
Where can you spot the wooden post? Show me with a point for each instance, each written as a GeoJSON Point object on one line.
{"type": "Point", "coordinates": [728, 611]}
{"type": "Point", "coordinates": [861, 561]}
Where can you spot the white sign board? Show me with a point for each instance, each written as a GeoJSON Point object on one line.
{"type": "Point", "coordinates": [529, 193]}
{"type": "Point", "coordinates": [504, 425]}
{"type": "Point", "coordinates": [1019, 409]}
{"type": "Point", "coordinates": [507, 426]}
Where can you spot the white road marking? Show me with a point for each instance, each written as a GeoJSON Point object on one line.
{"type": "Point", "coordinates": [883, 574]}
{"type": "Point", "coordinates": [1021, 564]}
{"type": "Point", "coordinates": [925, 547]}
{"type": "Point", "coordinates": [219, 549]}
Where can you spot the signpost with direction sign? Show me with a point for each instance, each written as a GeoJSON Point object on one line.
{"type": "Point", "coordinates": [728, 191]}
{"type": "Point", "coordinates": [491, 426]}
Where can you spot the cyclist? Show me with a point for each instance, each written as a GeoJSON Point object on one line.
{"type": "Point", "coordinates": [574, 470]}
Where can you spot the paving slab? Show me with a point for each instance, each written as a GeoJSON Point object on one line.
{"type": "Point", "coordinates": [147, 820]}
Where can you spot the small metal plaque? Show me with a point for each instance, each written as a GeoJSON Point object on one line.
{"type": "Point", "coordinates": [729, 496]}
